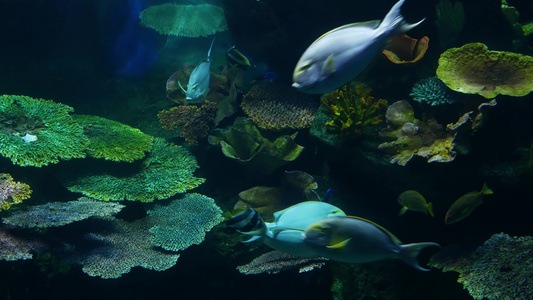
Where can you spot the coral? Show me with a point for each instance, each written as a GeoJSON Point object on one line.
{"type": "Point", "coordinates": [431, 91]}
{"type": "Point", "coordinates": [472, 69]}
{"type": "Point", "coordinates": [167, 170]}
{"type": "Point", "coordinates": [126, 246]}
{"type": "Point", "coordinates": [56, 214]}
{"type": "Point", "coordinates": [499, 269]}
{"type": "Point", "coordinates": [276, 261]}
{"type": "Point", "coordinates": [12, 192]}
{"type": "Point", "coordinates": [13, 246]}
{"type": "Point", "coordinates": [183, 222]}
{"type": "Point", "coordinates": [195, 122]}
{"type": "Point", "coordinates": [351, 108]}
{"type": "Point", "coordinates": [275, 106]}
{"type": "Point", "coordinates": [37, 132]}
{"type": "Point", "coordinates": [184, 20]}
{"type": "Point", "coordinates": [403, 49]}
{"type": "Point", "coordinates": [113, 140]}
{"type": "Point", "coordinates": [450, 21]}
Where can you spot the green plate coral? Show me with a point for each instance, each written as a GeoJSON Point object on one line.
{"type": "Point", "coordinates": [113, 140]}
{"type": "Point", "coordinates": [37, 132]}
{"type": "Point", "coordinates": [166, 171]}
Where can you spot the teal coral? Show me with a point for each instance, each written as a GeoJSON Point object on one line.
{"type": "Point", "coordinates": [167, 170]}
{"type": "Point", "coordinates": [183, 222]}
{"type": "Point", "coordinates": [113, 140]}
{"type": "Point", "coordinates": [37, 132]}
{"type": "Point", "coordinates": [431, 91]}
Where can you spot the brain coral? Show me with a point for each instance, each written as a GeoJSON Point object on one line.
{"type": "Point", "coordinates": [166, 171]}
{"type": "Point", "coordinates": [275, 106]}
{"type": "Point", "coordinates": [184, 20]}
{"type": "Point", "coordinates": [113, 140]}
{"type": "Point", "coordinates": [37, 132]}
{"type": "Point", "coordinates": [183, 222]}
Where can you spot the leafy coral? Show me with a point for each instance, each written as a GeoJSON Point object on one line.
{"type": "Point", "coordinates": [351, 108]}
{"type": "Point", "coordinates": [167, 170]}
{"type": "Point", "coordinates": [113, 140]}
{"type": "Point", "coordinates": [37, 132]}
{"type": "Point", "coordinates": [12, 192]}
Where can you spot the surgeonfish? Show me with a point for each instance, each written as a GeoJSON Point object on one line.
{"type": "Point", "coordinates": [341, 54]}
{"type": "Point", "coordinates": [466, 204]}
{"type": "Point", "coordinates": [356, 240]}
{"type": "Point", "coordinates": [235, 58]}
{"type": "Point", "coordinates": [198, 86]}
{"type": "Point", "coordinates": [412, 200]}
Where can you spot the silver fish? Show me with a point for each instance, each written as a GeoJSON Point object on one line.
{"type": "Point", "coordinates": [341, 54]}
{"type": "Point", "coordinates": [198, 86]}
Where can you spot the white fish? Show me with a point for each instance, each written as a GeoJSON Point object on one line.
{"type": "Point", "coordinates": [356, 240]}
{"type": "Point", "coordinates": [198, 86]}
{"type": "Point", "coordinates": [341, 54]}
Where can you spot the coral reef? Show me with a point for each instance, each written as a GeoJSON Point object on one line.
{"type": "Point", "coordinates": [183, 222]}
{"type": "Point", "coordinates": [276, 261]}
{"type": "Point", "coordinates": [15, 247]}
{"type": "Point", "coordinates": [12, 192]}
{"type": "Point", "coordinates": [499, 269]}
{"type": "Point", "coordinates": [450, 21]}
{"type": "Point", "coordinates": [56, 214]}
{"type": "Point", "coordinates": [275, 106]}
{"type": "Point", "coordinates": [403, 49]}
{"type": "Point", "coordinates": [184, 20]}
{"type": "Point", "coordinates": [351, 108]}
{"type": "Point", "coordinates": [473, 69]}
{"type": "Point", "coordinates": [167, 170]}
{"type": "Point", "coordinates": [113, 140]}
{"type": "Point", "coordinates": [431, 91]}
{"type": "Point", "coordinates": [195, 122]}
{"type": "Point", "coordinates": [37, 132]}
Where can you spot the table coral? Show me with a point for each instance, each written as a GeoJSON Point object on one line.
{"type": "Point", "coordinates": [37, 132]}
{"type": "Point", "coordinates": [473, 69]}
{"type": "Point", "coordinates": [351, 108]}
{"type": "Point", "coordinates": [184, 222]}
{"type": "Point", "coordinates": [277, 107]}
{"type": "Point", "coordinates": [276, 261]}
{"type": "Point", "coordinates": [113, 140]}
{"type": "Point", "coordinates": [12, 192]}
{"type": "Point", "coordinates": [56, 214]}
{"type": "Point", "coordinates": [17, 246]}
{"type": "Point", "coordinates": [167, 170]}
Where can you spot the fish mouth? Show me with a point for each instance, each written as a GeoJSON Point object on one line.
{"type": "Point", "coordinates": [296, 85]}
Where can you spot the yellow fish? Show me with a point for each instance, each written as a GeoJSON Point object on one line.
{"type": "Point", "coordinates": [412, 200]}
{"type": "Point", "coordinates": [465, 205]}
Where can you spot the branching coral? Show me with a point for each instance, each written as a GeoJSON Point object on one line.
{"type": "Point", "coordinates": [195, 122]}
{"type": "Point", "coordinates": [36, 132]}
{"type": "Point", "coordinates": [12, 192]}
{"type": "Point", "coordinates": [274, 106]}
{"type": "Point", "coordinates": [56, 214]}
{"type": "Point", "coordinates": [184, 20]}
{"type": "Point", "coordinates": [183, 222]}
{"type": "Point", "coordinates": [431, 91]}
{"type": "Point", "coordinates": [276, 261]}
{"type": "Point", "coordinates": [167, 170]}
{"type": "Point", "coordinates": [113, 140]}
{"type": "Point", "coordinates": [351, 108]}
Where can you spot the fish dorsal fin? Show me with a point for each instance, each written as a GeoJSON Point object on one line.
{"type": "Point", "coordinates": [209, 52]}
{"type": "Point", "coordinates": [328, 68]}
{"type": "Point", "coordinates": [370, 24]}
{"type": "Point", "coordinates": [392, 236]}
{"type": "Point", "coordinates": [339, 245]}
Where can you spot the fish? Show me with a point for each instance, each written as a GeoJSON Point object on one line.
{"type": "Point", "coordinates": [341, 54]}
{"type": "Point", "coordinates": [412, 200]}
{"type": "Point", "coordinates": [356, 240]}
{"type": "Point", "coordinates": [236, 59]}
{"type": "Point", "coordinates": [466, 204]}
{"type": "Point", "coordinates": [267, 76]}
{"type": "Point", "coordinates": [198, 86]}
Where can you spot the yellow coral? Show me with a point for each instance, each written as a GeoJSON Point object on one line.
{"type": "Point", "coordinates": [12, 192]}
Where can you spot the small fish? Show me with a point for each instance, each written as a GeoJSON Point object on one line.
{"type": "Point", "coordinates": [356, 240]}
{"type": "Point", "coordinates": [339, 55]}
{"type": "Point", "coordinates": [465, 205]}
{"type": "Point", "coordinates": [267, 76]}
{"type": "Point", "coordinates": [236, 59]}
{"type": "Point", "coordinates": [198, 86]}
{"type": "Point", "coordinates": [412, 200]}
{"type": "Point", "coordinates": [327, 196]}
{"type": "Point", "coordinates": [247, 221]}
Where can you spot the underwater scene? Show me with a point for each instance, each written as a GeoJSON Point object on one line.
{"type": "Point", "coordinates": [266, 149]}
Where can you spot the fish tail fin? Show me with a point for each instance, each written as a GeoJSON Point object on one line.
{"type": "Point", "coordinates": [409, 253]}
{"type": "Point", "coordinates": [486, 191]}
{"type": "Point", "coordinates": [394, 23]}
{"type": "Point", "coordinates": [430, 209]}
{"type": "Point", "coordinates": [403, 210]}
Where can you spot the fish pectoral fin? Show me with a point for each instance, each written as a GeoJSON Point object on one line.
{"type": "Point", "coordinates": [403, 210]}
{"type": "Point", "coordinates": [328, 68]}
{"type": "Point", "coordinates": [253, 238]}
{"type": "Point", "coordinates": [339, 245]}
